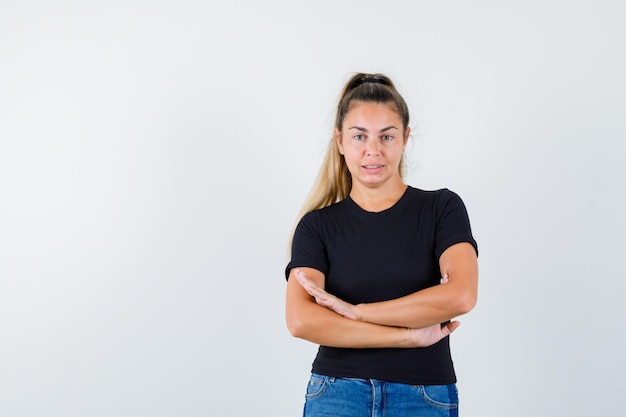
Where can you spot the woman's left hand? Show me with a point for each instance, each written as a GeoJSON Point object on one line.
{"type": "Point", "coordinates": [325, 299]}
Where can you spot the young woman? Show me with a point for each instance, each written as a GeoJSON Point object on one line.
{"type": "Point", "coordinates": [376, 267]}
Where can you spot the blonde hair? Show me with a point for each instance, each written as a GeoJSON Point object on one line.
{"type": "Point", "coordinates": [334, 182]}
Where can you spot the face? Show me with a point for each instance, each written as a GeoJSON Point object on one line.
{"type": "Point", "coordinates": [372, 142]}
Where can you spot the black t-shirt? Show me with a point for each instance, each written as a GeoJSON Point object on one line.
{"type": "Point", "coordinates": [368, 257]}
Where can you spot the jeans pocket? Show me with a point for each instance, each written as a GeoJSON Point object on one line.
{"type": "Point", "coordinates": [316, 387]}
{"type": "Point", "coordinates": [441, 396]}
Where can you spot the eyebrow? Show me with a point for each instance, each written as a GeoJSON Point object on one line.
{"type": "Point", "coordinates": [362, 129]}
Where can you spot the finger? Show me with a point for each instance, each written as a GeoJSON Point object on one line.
{"type": "Point", "coordinates": [323, 301]}
{"type": "Point", "coordinates": [306, 283]}
{"type": "Point", "coordinates": [317, 292]}
{"type": "Point", "coordinates": [302, 279]}
{"type": "Point", "coordinates": [299, 275]}
{"type": "Point", "coordinates": [319, 295]}
{"type": "Point", "coordinates": [450, 327]}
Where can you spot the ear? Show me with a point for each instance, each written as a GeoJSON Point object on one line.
{"type": "Point", "coordinates": [407, 134]}
{"type": "Point", "coordinates": [338, 140]}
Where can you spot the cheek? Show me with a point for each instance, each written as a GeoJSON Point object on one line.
{"type": "Point", "coordinates": [351, 151]}
{"type": "Point", "coordinates": [394, 155]}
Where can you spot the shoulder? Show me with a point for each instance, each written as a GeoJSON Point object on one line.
{"type": "Point", "coordinates": [430, 193]}
{"type": "Point", "coordinates": [437, 197]}
{"type": "Point", "coordinates": [324, 214]}
{"type": "Point", "coordinates": [329, 211]}
{"type": "Point", "coordinates": [450, 218]}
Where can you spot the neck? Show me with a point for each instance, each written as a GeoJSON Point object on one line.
{"type": "Point", "coordinates": [377, 199]}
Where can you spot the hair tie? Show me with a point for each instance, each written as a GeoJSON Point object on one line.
{"type": "Point", "coordinates": [372, 80]}
{"type": "Point", "coordinates": [364, 80]}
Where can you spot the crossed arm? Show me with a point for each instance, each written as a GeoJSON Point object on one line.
{"type": "Point", "coordinates": [410, 321]}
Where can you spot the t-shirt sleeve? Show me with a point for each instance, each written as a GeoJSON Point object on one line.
{"type": "Point", "coordinates": [307, 248]}
{"type": "Point", "coordinates": [453, 225]}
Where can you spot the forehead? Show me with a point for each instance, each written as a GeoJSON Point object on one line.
{"type": "Point", "coordinates": [373, 113]}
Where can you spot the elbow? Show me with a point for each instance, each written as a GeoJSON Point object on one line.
{"type": "Point", "coordinates": [296, 326]}
{"type": "Point", "coordinates": [466, 303]}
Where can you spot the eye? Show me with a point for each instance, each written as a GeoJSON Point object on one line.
{"type": "Point", "coordinates": [359, 137]}
{"type": "Point", "coordinates": [387, 137]}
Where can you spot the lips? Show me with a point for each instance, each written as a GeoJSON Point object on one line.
{"type": "Point", "coordinates": [372, 166]}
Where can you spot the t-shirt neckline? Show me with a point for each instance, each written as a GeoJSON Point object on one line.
{"type": "Point", "coordinates": [376, 215]}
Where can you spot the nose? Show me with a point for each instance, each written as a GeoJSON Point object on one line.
{"type": "Point", "coordinates": [372, 148]}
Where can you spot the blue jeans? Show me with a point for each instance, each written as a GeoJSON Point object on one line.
{"type": "Point", "coordinates": [347, 397]}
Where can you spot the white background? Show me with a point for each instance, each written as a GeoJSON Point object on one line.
{"type": "Point", "coordinates": [154, 154]}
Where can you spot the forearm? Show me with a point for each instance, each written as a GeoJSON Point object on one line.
{"type": "Point", "coordinates": [421, 309]}
{"type": "Point", "coordinates": [319, 325]}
